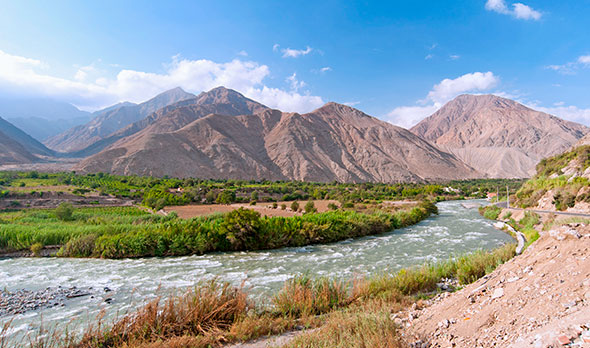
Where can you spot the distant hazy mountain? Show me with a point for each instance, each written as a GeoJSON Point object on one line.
{"type": "Point", "coordinates": [42, 129]}
{"type": "Point", "coordinates": [11, 152]}
{"type": "Point", "coordinates": [335, 142]}
{"type": "Point", "coordinates": [41, 118]}
{"type": "Point", "coordinates": [26, 141]}
{"type": "Point", "coordinates": [497, 136]}
{"type": "Point", "coordinates": [112, 119]}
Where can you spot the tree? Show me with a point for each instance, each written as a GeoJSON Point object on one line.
{"type": "Point", "coordinates": [64, 211]}
{"type": "Point", "coordinates": [254, 196]}
{"type": "Point", "coordinates": [241, 227]}
{"type": "Point", "coordinates": [226, 197]}
{"type": "Point", "coordinates": [294, 206]}
{"type": "Point", "coordinates": [310, 207]}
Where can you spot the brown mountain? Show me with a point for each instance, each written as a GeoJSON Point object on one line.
{"type": "Point", "coordinates": [335, 142]}
{"type": "Point", "coordinates": [12, 152]}
{"type": "Point", "coordinates": [497, 136]}
{"type": "Point", "coordinates": [112, 119]}
{"type": "Point", "coordinates": [25, 141]}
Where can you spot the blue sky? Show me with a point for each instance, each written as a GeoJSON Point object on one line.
{"type": "Point", "coordinates": [396, 60]}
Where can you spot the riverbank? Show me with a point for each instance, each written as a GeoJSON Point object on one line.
{"type": "Point", "coordinates": [538, 299]}
{"type": "Point", "coordinates": [132, 233]}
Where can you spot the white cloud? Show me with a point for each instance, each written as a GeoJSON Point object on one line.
{"type": "Point", "coordinates": [325, 69]}
{"type": "Point", "coordinates": [243, 53]}
{"type": "Point", "coordinates": [454, 56]}
{"type": "Point", "coordinates": [519, 11]}
{"type": "Point", "coordinates": [295, 83]}
{"type": "Point", "coordinates": [275, 47]}
{"type": "Point", "coordinates": [293, 53]}
{"type": "Point", "coordinates": [447, 89]}
{"type": "Point", "coordinates": [352, 103]}
{"type": "Point", "coordinates": [428, 57]}
{"type": "Point", "coordinates": [407, 116]}
{"type": "Point", "coordinates": [29, 76]}
{"type": "Point", "coordinates": [567, 112]}
{"type": "Point", "coordinates": [570, 68]}
{"type": "Point", "coordinates": [522, 11]}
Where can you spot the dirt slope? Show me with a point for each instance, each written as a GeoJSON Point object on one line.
{"type": "Point", "coordinates": [335, 142]}
{"type": "Point", "coordinates": [489, 122]}
{"type": "Point", "coordinates": [531, 301]}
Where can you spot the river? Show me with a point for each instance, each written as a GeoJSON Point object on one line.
{"type": "Point", "coordinates": [454, 231]}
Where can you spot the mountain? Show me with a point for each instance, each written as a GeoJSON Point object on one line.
{"type": "Point", "coordinates": [26, 141]}
{"type": "Point", "coordinates": [41, 118]}
{"type": "Point", "coordinates": [219, 100]}
{"type": "Point", "coordinates": [112, 119]}
{"type": "Point", "coordinates": [42, 128]}
{"type": "Point", "coordinates": [11, 152]}
{"type": "Point", "coordinates": [497, 136]}
{"type": "Point", "coordinates": [334, 142]}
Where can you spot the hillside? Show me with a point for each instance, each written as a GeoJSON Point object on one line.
{"type": "Point", "coordinates": [562, 183]}
{"type": "Point", "coordinates": [498, 136]}
{"type": "Point", "coordinates": [11, 152]}
{"type": "Point", "coordinates": [26, 141]}
{"type": "Point", "coordinates": [112, 119]}
{"type": "Point", "coordinates": [334, 142]}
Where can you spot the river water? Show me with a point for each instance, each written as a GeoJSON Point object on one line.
{"type": "Point", "coordinates": [133, 281]}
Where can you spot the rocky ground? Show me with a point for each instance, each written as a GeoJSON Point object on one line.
{"type": "Point", "coordinates": [21, 301]}
{"type": "Point", "coordinates": [538, 299]}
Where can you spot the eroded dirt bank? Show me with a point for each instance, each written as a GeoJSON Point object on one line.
{"type": "Point", "coordinates": [538, 299]}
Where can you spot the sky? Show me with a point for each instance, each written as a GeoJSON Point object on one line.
{"type": "Point", "coordinates": [396, 60]}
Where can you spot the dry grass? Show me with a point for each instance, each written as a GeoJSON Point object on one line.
{"type": "Point", "coordinates": [359, 326]}
{"type": "Point", "coordinates": [303, 296]}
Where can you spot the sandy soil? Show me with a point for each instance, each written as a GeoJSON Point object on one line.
{"type": "Point", "coordinates": [266, 209]}
{"type": "Point", "coordinates": [533, 300]}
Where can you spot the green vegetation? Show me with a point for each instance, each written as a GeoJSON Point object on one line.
{"type": "Point", "coordinates": [156, 193]}
{"type": "Point", "coordinates": [131, 232]}
{"type": "Point", "coordinates": [550, 176]}
{"type": "Point", "coordinates": [64, 211]}
{"type": "Point", "coordinates": [491, 211]}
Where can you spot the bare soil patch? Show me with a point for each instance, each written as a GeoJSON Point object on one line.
{"type": "Point", "coordinates": [265, 209]}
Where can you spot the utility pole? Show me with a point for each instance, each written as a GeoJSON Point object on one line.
{"type": "Point", "coordinates": [507, 198]}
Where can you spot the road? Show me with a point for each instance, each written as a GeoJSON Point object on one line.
{"type": "Point", "coordinates": [565, 213]}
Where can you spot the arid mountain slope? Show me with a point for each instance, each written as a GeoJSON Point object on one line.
{"type": "Point", "coordinates": [112, 119]}
{"type": "Point", "coordinates": [219, 100]}
{"type": "Point", "coordinates": [497, 136]}
{"type": "Point", "coordinates": [335, 142]}
{"type": "Point", "coordinates": [26, 141]}
{"type": "Point", "coordinates": [11, 152]}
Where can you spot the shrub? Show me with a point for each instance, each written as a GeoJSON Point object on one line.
{"type": "Point", "coordinates": [64, 211]}
{"type": "Point", "coordinates": [226, 197]}
{"type": "Point", "coordinates": [36, 249]}
{"type": "Point", "coordinates": [295, 206]}
{"type": "Point", "coordinates": [332, 206]}
{"type": "Point", "coordinates": [275, 205]}
{"type": "Point", "coordinates": [82, 246]}
{"type": "Point", "coordinates": [310, 207]}
{"type": "Point", "coordinates": [241, 228]}
{"type": "Point", "coordinates": [283, 206]}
